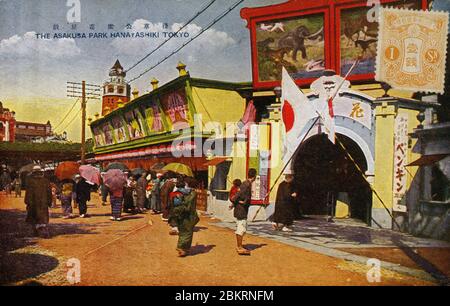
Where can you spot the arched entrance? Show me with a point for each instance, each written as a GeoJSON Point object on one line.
{"type": "Point", "coordinates": [323, 173]}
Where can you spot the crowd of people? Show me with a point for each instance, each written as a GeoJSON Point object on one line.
{"type": "Point", "coordinates": [170, 195]}
{"type": "Point", "coordinates": [10, 181]}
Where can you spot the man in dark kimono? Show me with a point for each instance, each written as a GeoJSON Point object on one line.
{"type": "Point", "coordinates": [38, 198]}
{"type": "Point", "coordinates": [104, 190]}
{"type": "Point", "coordinates": [83, 195]}
{"type": "Point", "coordinates": [166, 189]}
{"type": "Point", "coordinates": [5, 180]}
{"type": "Point", "coordinates": [241, 206]}
{"type": "Point", "coordinates": [285, 205]}
{"type": "Point", "coordinates": [141, 186]}
{"type": "Point", "coordinates": [155, 197]}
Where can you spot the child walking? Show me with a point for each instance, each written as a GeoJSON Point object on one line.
{"type": "Point", "coordinates": [241, 205]}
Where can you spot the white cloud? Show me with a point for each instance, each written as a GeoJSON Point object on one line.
{"type": "Point", "coordinates": [208, 43]}
{"type": "Point", "coordinates": [29, 45]}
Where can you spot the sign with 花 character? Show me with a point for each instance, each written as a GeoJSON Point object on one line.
{"type": "Point", "coordinates": [400, 161]}
{"type": "Point", "coordinates": [412, 49]}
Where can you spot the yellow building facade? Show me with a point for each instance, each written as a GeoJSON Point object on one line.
{"type": "Point", "coordinates": [379, 147]}
{"type": "Point", "coordinates": [364, 175]}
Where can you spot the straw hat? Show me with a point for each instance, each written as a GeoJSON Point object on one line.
{"type": "Point", "coordinates": [37, 168]}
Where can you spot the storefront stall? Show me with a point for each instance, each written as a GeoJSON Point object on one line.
{"type": "Point", "coordinates": [180, 121]}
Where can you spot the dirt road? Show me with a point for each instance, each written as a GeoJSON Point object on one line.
{"type": "Point", "coordinates": [139, 251]}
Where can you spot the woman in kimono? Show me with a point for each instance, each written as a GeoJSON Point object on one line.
{"type": "Point", "coordinates": [284, 214]}
{"type": "Point", "coordinates": [186, 217]}
{"type": "Point", "coordinates": [66, 195]}
{"type": "Point", "coordinates": [116, 198]}
{"type": "Point", "coordinates": [176, 193]}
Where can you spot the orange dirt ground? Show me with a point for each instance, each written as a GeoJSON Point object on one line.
{"type": "Point", "coordinates": [139, 251]}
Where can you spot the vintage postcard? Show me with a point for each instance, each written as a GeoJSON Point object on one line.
{"type": "Point", "coordinates": [412, 48]}
{"type": "Point", "coordinates": [247, 144]}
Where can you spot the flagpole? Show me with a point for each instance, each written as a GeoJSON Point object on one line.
{"type": "Point", "coordinates": [304, 137]}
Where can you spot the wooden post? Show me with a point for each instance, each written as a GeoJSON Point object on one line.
{"type": "Point", "coordinates": [83, 122]}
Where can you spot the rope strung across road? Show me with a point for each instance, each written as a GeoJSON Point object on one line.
{"type": "Point", "coordinates": [367, 180]}
{"type": "Point", "coordinates": [150, 222]}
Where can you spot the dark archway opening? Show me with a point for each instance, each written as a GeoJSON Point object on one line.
{"type": "Point", "coordinates": [323, 173]}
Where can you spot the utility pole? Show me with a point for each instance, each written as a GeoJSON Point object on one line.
{"type": "Point", "coordinates": [83, 121]}
{"type": "Point", "coordinates": [88, 91]}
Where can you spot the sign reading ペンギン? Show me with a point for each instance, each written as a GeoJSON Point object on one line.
{"type": "Point", "coordinates": [411, 49]}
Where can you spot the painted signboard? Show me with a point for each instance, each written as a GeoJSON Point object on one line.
{"type": "Point", "coordinates": [107, 133]}
{"type": "Point", "coordinates": [134, 124]}
{"type": "Point", "coordinates": [153, 117]}
{"type": "Point", "coordinates": [295, 43]}
{"type": "Point", "coordinates": [120, 134]}
{"type": "Point", "coordinates": [307, 37]}
{"type": "Point", "coordinates": [400, 161]}
{"type": "Point", "coordinates": [259, 146]}
{"type": "Point", "coordinates": [98, 137]}
{"type": "Point", "coordinates": [176, 109]}
{"type": "Point", "coordinates": [359, 36]}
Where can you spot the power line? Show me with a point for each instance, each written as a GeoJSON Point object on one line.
{"type": "Point", "coordinates": [189, 41]}
{"type": "Point", "coordinates": [74, 117]}
{"type": "Point", "coordinates": [67, 114]}
{"type": "Point", "coordinates": [84, 92]}
{"type": "Point", "coordinates": [164, 42]}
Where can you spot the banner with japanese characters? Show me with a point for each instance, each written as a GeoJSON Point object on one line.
{"type": "Point", "coordinates": [259, 147]}
{"type": "Point", "coordinates": [400, 161]}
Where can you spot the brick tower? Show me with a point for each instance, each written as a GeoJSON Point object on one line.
{"type": "Point", "coordinates": [115, 89]}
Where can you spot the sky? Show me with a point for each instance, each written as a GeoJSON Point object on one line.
{"type": "Point", "coordinates": [34, 72]}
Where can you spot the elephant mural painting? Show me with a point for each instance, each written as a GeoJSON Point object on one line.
{"type": "Point", "coordinates": [295, 40]}
{"type": "Point", "coordinates": [296, 44]}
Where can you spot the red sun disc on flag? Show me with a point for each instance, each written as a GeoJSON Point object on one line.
{"type": "Point", "coordinates": [288, 115]}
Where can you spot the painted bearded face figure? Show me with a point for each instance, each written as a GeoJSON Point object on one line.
{"type": "Point", "coordinates": [326, 86]}
{"type": "Point", "coordinates": [329, 86]}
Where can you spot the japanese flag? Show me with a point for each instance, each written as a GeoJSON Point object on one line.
{"type": "Point", "coordinates": [296, 112]}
